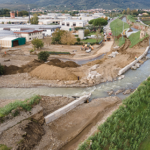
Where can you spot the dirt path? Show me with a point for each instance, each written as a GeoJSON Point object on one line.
{"type": "Point", "coordinates": [74, 127]}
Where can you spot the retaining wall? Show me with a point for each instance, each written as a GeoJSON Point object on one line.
{"type": "Point", "coordinates": [58, 113]}
{"type": "Point", "coordinates": [133, 63]}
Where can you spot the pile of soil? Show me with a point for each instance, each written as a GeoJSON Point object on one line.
{"type": "Point", "coordinates": [25, 68]}
{"type": "Point", "coordinates": [61, 64]}
{"type": "Point", "coordinates": [32, 65]}
{"type": "Point", "coordinates": [48, 72]}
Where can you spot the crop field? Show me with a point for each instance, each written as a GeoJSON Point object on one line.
{"type": "Point", "coordinates": [117, 27]}
{"type": "Point", "coordinates": [131, 18]}
{"type": "Point", "coordinates": [128, 127]}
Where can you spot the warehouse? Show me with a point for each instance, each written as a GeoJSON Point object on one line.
{"type": "Point", "coordinates": [12, 41]}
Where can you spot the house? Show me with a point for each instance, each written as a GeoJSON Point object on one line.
{"type": "Point", "coordinates": [30, 34]}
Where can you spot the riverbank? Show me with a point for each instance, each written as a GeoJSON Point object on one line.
{"type": "Point", "coordinates": [67, 131]}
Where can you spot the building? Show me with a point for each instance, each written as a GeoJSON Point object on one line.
{"type": "Point", "coordinates": [30, 34]}
{"type": "Point", "coordinates": [47, 30]}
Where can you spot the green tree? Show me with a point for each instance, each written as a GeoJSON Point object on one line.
{"type": "Point", "coordinates": [86, 32]}
{"type": "Point", "coordinates": [100, 22]}
{"type": "Point", "coordinates": [78, 39]}
{"type": "Point", "coordinates": [128, 11]}
{"type": "Point", "coordinates": [56, 36]}
{"type": "Point", "coordinates": [9, 22]}
{"type": "Point", "coordinates": [37, 43]}
{"type": "Point", "coordinates": [23, 13]}
{"type": "Point", "coordinates": [43, 55]}
{"type": "Point", "coordinates": [34, 19]}
{"type": "Point", "coordinates": [91, 21]}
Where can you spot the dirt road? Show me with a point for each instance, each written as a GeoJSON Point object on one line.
{"type": "Point", "coordinates": [67, 132]}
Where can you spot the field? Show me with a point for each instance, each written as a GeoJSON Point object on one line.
{"type": "Point", "coordinates": [131, 18]}
{"type": "Point", "coordinates": [145, 145]}
{"type": "Point", "coordinates": [117, 27]}
{"type": "Point", "coordinates": [128, 127]}
{"type": "Point", "coordinates": [135, 39]}
{"type": "Point", "coordinates": [120, 41]}
{"type": "Point", "coordinates": [146, 20]}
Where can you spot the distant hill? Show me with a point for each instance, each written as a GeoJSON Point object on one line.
{"type": "Point", "coordinates": [75, 4]}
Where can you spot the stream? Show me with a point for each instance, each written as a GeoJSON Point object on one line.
{"type": "Point", "coordinates": [131, 81]}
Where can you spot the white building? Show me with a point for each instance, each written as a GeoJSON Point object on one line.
{"type": "Point", "coordinates": [30, 34]}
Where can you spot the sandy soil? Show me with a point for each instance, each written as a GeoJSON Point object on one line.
{"type": "Point", "coordinates": [73, 128]}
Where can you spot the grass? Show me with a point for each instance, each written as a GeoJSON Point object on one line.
{"type": "Point", "coordinates": [26, 105]}
{"type": "Point", "coordinates": [120, 41]}
{"type": "Point", "coordinates": [135, 38]}
{"type": "Point", "coordinates": [90, 40]}
{"type": "Point", "coordinates": [131, 18]}
{"type": "Point", "coordinates": [145, 145]}
{"type": "Point", "coordinates": [117, 27]}
{"type": "Point", "coordinates": [4, 147]}
{"type": "Point", "coordinates": [59, 53]}
{"type": "Point", "coordinates": [91, 33]}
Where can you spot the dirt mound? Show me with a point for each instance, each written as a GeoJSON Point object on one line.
{"type": "Point", "coordinates": [25, 68]}
{"type": "Point", "coordinates": [47, 72]}
{"type": "Point", "coordinates": [61, 64]}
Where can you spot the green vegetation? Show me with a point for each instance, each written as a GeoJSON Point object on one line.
{"type": "Point", "coordinates": [131, 18]}
{"type": "Point", "coordinates": [117, 27]}
{"type": "Point", "coordinates": [145, 145]}
{"type": "Point", "coordinates": [4, 147]}
{"type": "Point", "coordinates": [37, 43]}
{"type": "Point", "coordinates": [99, 22]}
{"type": "Point", "coordinates": [43, 55]}
{"type": "Point", "coordinates": [1, 69]}
{"type": "Point", "coordinates": [146, 20]}
{"type": "Point", "coordinates": [23, 13]}
{"type": "Point", "coordinates": [86, 32]}
{"type": "Point", "coordinates": [59, 53]}
{"type": "Point", "coordinates": [34, 19]}
{"type": "Point", "coordinates": [135, 38]}
{"type": "Point", "coordinates": [90, 40]}
{"type": "Point", "coordinates": [127, 127]}
{"type": "Point", "coordinates": [4, 12]}
{"type": "Point", "coordinates": [120, 41]}
{"type": "Point", "coordinates": [26, 105]}
{"type": "Point", "coordinates": [91, 33]}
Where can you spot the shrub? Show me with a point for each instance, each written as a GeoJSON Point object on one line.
{"type": "Point", "coordinates": [86, 32]}
{"type": "Point", "coordinates": [1, 69]}
{"type": "Point", "coordinates": [37, 43]}
{"type": "Point", "coordinates": [43, 56]}
{"type": "Point", "coordinates": [78, 39]}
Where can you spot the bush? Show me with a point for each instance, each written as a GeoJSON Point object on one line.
{"type": "Point", "coordinates": [78, 39]}
{"type": "Point", "coordinates": [86, 32]}
{"type": "Point", "coordinates": [1, 69]}
{"type": "Point", "coordinates": [37, 43]}
{"type": "Point", "coordinates": [43, 56]}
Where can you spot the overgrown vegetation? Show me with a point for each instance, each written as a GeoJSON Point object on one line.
{"type": "Point", "coordinates": [26, 105]}
{"type": "Point", "coordinates": [4, 147]}
{"type": "Point", "coordinates": [1, 69]}
{"type": "Point", "coordinates": [117, 27]}
{"type": "Point", "coordinates": [127, 127]}
{"type": "Point", "coordinates": [135, 38]}
{"type": "Point", "coordinates": [43, 55]}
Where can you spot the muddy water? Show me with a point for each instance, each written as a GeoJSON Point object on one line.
{"type": "Point", "coordinates": [132, 79]}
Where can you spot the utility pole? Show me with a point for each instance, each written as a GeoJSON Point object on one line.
{"type": "Point", "coordinates": [29, 12]}
{"type": "Point", "coordinates": [123, 30]}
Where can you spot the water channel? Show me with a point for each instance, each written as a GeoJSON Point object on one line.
{"type": "Point", "coordinates": [132, 79]}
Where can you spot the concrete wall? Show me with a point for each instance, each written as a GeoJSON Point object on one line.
{"type": "Point", "coordinates": [58, 113]}
{"type": "Point", "coordinates": [133, 63]}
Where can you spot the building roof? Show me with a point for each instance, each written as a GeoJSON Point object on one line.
{"type": "Point", "coordinates": [28, 31]}
{"type": "Point", "coordinates": [8, 38]}
{"type": "Point", "coordinates": [5, 33]}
